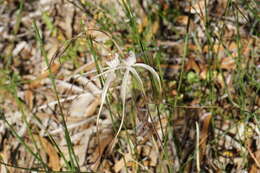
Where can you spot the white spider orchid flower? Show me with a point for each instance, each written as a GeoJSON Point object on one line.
{"type": "Point", "coordinates": [114, 62]}
{"type": "Point", "coordinates": [129, 66]}
{"type": "Point", "coordinates": [131, 59]}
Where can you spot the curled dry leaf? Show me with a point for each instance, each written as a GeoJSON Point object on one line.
{"type": "Point", "coordinates": [204, 134]}
{"type": "Point", "coordinates": [192, 65]}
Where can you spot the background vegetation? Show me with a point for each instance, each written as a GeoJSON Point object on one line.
{"type": "Point", "coordinates": [129, 86]}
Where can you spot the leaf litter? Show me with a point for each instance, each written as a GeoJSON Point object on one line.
{"type": "Point", "coordinates": [223, 141]}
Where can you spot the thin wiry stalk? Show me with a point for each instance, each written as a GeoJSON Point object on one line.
{"type": "Point", "coordinates": [72, 155]}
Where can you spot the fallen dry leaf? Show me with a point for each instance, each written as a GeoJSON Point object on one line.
{"type": "Point", "coordinates": [255, 167]}
{"type": "Point", "coordinates": [183, 20]}
{"type": "Point", "coordinates": [102, 143]}
{"type": "Point", "coordinates": [28, 97]}
{"type": "Point", "coordinates": [192, 65]}
{"type": "Point", "coordinates": [54, 160]}
{"type": "Point", "coordinates": [154, 154]}
{"type": "Point", "coordinates": [80, 104]}
{"type": "Point", "coordinates": [121, 163]}
{"type": "Point", "coordinates": [204, 71]}
{"type": "Point", "coordinates": [228, 63]}
{"type": "Point", "coordinates": [90, 110]}
{"type": "Point", "coordinates": [204, 134]}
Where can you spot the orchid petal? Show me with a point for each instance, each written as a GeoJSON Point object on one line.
{"type": "Point", "coordinates": [131, 59]}
{"type": "Point", "coordinates": [151, 70]}
{"type": "Point", "coordinates": [138, 78]}
{"type": "Point", "coordinates": [123, 95]}
{"type": "Point", "coordinates": [114, 62]}
{"type": "Point", "coordinates": [104, 93]}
